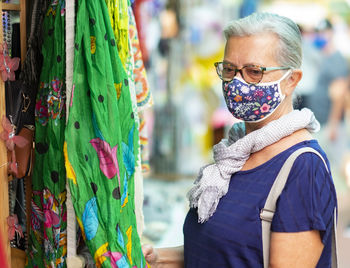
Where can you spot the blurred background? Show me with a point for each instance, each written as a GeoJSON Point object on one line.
{"type": "Point", "coordinates": [180, 41]}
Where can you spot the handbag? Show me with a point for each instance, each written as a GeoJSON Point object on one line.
{"type": "Point", "coordinates": [266, 214]}
{"type": "Point", "coordinates": [20, 105]}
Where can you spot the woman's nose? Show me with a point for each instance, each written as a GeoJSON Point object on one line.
{"type": "Point", "coordinates": [239, 73]}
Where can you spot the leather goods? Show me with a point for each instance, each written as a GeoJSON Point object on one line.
{"type": "Point", "coordinates": [20, 105]}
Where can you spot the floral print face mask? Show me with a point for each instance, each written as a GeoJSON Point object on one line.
{"type": "Point", "coordinates": [253, 102]}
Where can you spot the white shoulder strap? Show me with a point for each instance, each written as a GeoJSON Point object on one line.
{"type": "Point", "coordinates": [266, 214]}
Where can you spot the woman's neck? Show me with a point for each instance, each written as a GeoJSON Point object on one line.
{"type": "Point", "coordinates": [270, 151]}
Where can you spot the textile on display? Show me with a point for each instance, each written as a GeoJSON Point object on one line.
{"type": "Point", "coordinates": [118, 13]}
{"type": "Point", "coordinates": [143, 94]}
{"type": "Point", "coordinates": [102, 142]}
{"type": "Point", "coordinates": [130, 66]}
{"type": "Point", "coordinates": [72, 259]}
{"type": "Point", "coordinates": [47, 241]}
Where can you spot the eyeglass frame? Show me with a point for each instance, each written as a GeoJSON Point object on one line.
{"type": "Point", "coordinates": [263, 69]}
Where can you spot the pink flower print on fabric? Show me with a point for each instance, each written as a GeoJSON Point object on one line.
{"type": "Point", "coordinates": [258, 94]}
{"type": "Point", "coordinates": [50, 208]}
{"type": "Point", "coordinates": [108, 157]}
{"type": "Point", "coordinates": [37, 215]}
{"type": "Point", "coordinates": [56, 85]}
{"type": "Point", "coordinates": [265, 108]}
{"type": "Point", "coordinates": [114, 257]}
{"type": "Point", "coordinates": [41, 112]}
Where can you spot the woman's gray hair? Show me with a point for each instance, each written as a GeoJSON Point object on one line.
{"type": "Point", "coordinates": [290, 52]}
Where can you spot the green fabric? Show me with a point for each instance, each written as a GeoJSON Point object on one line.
{"type": "Point", "coordinates": [102, 143]}
{"type": "Point", "coordinates": [47, 237]}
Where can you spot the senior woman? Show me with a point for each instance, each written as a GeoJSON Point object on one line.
{"type": "Point", "coordinates": [260, 71]}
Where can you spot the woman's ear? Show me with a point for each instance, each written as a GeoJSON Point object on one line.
{"type": "Point", "coordinates": [292, 81]}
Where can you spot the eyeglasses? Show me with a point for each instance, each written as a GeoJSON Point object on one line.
{"type": "Point", "coordinates": [251, 74]}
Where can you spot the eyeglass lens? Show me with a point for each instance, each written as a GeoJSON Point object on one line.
{"type": "Point", "coordinates": [250, 74]}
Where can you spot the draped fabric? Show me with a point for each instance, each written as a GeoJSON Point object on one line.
{"type": "Point", "coordinates": [129, 48]}
{"type": "Point", "coordinates": [130, 66]}
{"type": "Point", "coordinates": [145, 166]}
{"type": "Point", "coordinates": [143, 94]}
{"type": "Point", "coordinates": [47, 237]}
{"type": "Point", "coordinates": [118, 14]}
{"type": "Point", "coordinates": [102, 142]}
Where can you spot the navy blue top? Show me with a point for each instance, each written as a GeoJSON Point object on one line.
{"type": "Point", "coordinates": [232, 236]}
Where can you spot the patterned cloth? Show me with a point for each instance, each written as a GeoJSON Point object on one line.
{"type": "Point", "coordinates": [143, 93]}
{"type": "Point", "coordinates": [118, 13]}
{"type": "Point", "coordinates": [47, 242]}
{"type": "Point", "coordinates": [102, 143]}
{"type": "Point", "coordinates": [144, 143]}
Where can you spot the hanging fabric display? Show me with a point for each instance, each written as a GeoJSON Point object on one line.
{"type": "Point", "coordinates": [102, 142]}
{"type": "Point", "coordinates": [145, 166]}
{"type": "Point", "coordinates": [47, 243]}
{"type": "Point", "coordinates": [137, 7]}
{"type": "Point", "coordinates": [142, 91]}
{"type": "Point", "coordinates": [139, 90]}
{"type": "Point", "coordinates": [118, 14]}
{"type": "Point", "coordinates": [138, 178]}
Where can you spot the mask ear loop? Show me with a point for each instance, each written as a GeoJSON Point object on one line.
{"type": "Point", "coordinates": [289, 72]}
{"type": "Point", "coordinates": [277, 81]}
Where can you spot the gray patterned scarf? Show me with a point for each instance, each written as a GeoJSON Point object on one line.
{"type": "Point", "coordinates": [230, 155]}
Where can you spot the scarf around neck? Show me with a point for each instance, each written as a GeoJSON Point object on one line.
{"type": "Point", "coordinates": [230, 155]}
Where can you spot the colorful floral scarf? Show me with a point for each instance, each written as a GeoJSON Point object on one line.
{"type": "Point", "coordinates": [102, 143]}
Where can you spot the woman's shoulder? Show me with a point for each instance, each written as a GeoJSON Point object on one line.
{"type": "Point", "coordinates": [310, 163]}
{"type": "Point", "coordinates": [309, 194]}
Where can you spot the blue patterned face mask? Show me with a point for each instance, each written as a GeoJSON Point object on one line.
{"type": "Point", "coordinates": [253, 102]}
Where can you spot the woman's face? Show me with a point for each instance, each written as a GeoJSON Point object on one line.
{"type": "Point", "coordinates": [257, 50]}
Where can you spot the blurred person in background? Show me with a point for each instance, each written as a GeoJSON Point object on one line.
{"type": "Point", "coordinates": [328, 99]}
{"type": "Point", "coordinates": [311, 62]}
{"type": "Point", "coordinates": [259, 73]}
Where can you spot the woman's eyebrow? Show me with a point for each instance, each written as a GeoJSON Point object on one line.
{"type": "Point", "coordinates": [244, 65]}
{"type": "Point", "coordinates": [230, 63]}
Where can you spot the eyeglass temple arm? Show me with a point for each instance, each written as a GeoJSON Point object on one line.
{"type": "Point", "coordinates": [275, 68]}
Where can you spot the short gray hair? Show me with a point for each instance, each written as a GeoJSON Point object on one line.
{"type": "Point", "coordinates": [290, 52]}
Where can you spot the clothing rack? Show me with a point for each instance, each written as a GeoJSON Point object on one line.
{"type": "Point", "coordinates": [14, 257]}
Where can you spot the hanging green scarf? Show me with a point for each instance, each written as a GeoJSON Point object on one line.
{"type": "Point", "coordinates": [47, 237]}
{"type": "Point", "coordinates": [102, 143]}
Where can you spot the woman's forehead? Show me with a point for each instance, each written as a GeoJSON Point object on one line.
{"type": "Point", "coordinates": [257, 49]}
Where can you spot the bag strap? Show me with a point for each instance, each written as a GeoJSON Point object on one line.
{"type": "Point", "coordinates": [267, 213]}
